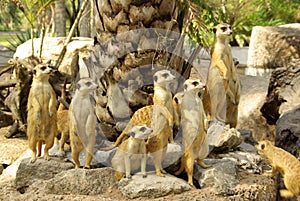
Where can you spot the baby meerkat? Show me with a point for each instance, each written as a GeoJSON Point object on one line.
{"type": "Point", "coordinates": [132, 153]}
{"type": "Point", "coordinates": [41, 119]}
{"type": "Point", "coordinates": [193, 123]}
{"type": "Point", "coordinates": [83, 121]}
{"type": "Point", "coordinates": [285, 163]}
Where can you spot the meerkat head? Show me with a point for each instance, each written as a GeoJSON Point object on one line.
{"type": "Point", "coordinates": [140, 132]}
{"type": "Point", "coordinates": [190, 84]}
{"type": "Point", "coordinates": [194, 85]}
{"type": "Point", "coordinates": [262, 146]}
{"type": "Point", "coordinates": [163, 77]}
{"type": "Point", "coordinates": [86, 84]}
{"type": "Point", "coordinates": [42, 70]}
{"type": "Point", "coordinates": [222, 30]}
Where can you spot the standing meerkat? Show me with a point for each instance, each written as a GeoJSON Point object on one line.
{"type": "Point", "coordinates": [193, 120]}
{"type": "Point", "coordinates": [83, 122]}
{"type": "Point", "coordinates": [63, 121]}
{"type": "Point", "coordinates": [41, 119]}
{"type": "Point", "coordinates": [285, 163]}
{"type": "Point", "coordinates": [158, 117]}
{"type": "Point", "coordinates": [223, 84]}
{"type": "Point", "coordinates": [132, 153]}
{"type": "Point", "coordinates": [163, 80]}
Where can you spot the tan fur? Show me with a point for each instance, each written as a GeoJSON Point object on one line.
{"type": "Point", "coordinates": [193, 120]}
{"type": "Point", "coordinates": [158, 117]}
{"type": "Point", "coordinates": [83, 122]}
{"type": "Point", "coordinates": [41, 119]}
{"type": "Point", "coordinates": [222, 74]}
{"type": "Point", "coordinates": [285, 163]}
{"type": "Point", "coordinates": [63, 121]}
{"type": "Point", "coordinates": [131, 154]}
{"type": "Point", "coordinates": [163, 80]}
{"type": "Point", "coordinates": [177, 100]}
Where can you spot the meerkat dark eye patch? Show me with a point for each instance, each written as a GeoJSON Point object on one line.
{"type": "Point", "coordinates": [223, 28]}
{"type": "Point", "coordinates": [262, 146]}
{"type": "Point", "coordinates": [165, 75]}
{"type": "Point", "coordinates": [43, 68]}
{"type": "Point", "coordinates": [143, 129]}
{"type": "Point", "coordinates": [88, 84]}
{"type": "Point", "coordinates": [195, 83]}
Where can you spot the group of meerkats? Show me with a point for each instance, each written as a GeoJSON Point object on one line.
{"type": "Point", "coordinates": [150, 129]}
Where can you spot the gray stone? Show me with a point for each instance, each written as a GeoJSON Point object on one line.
{"type": "Point", "coordinates": [245, 160]}
{"type": "Point", "coordinates": [222, 176]}
{"type": "Point", "coordinates": [41, 169]}
{"type": "Point", "coordinates": [272, 47]}
{"type": "Point", "coordinates": [221, 137]}
{"type": "Point", "coordinates": [78, 182]}
{"type": "Point", "coordinates": [288, 131]}
{"type": "Point", "coordinates": [152, 186]}
{"type": "Point", "coordinates": [283, 92]}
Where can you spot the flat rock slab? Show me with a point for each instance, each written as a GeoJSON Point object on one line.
{"type": "Point", "coordinates": [78, 182]}
{"type": "Point", "coordinates": [152, 186]}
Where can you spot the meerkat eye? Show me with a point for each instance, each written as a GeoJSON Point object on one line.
{"type": "Point", "coordinates": [195, 83]}
{"type": "Point", "coordinates": [176, 100]}
{"type": "Point", "coordinates": [223, 28]}
{"type": "Point", "coordinates": [143, 129]}
{"type": "Point", "coordinates": [89, 84]}
{"type": "Point", "coordinates": [165, 75]}
{"type": "Point", "coordinates": [230, 27]}
{"type": "Point", "coordinates": [262, 146]}
{"type": "Point", "coordinates": [43, 68]}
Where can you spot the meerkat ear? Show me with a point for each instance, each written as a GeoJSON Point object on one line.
{"type": "Point", "coordinates": [176, 100]}
{"type": "Point", "coordinates": [214, 30]}
{"type": "Point", "coordinates": [262, 146]}
{"type": "Point", "coordinates": [34, 72]}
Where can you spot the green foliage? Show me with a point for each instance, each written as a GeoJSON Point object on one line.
{"type": "Point", "coordinates": [10, 16]}
{"type": "Point", "coordinates": [244, 14]}
{"type": "Point", "coordinates": [19, 38]}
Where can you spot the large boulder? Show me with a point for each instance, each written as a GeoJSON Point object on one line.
{"type": "Point", "coordinates": [52, 48]}
{"type": "Point", "coordinates": [274, 46]}
{"type": "Point", "coordinates": [152, 186]}
{"type": "Point", "coordinates": [283, 92]}
{"type": "Point", "coordinates": [288, 131]}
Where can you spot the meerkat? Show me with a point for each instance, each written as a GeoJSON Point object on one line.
{"type": "Point", "coordinates": [221, 75]}
{"type": "Point", "coordinates": [284, 162]}
{"type": "Point", "coordinates": [82, 119]}
{"type": "Point", "coordinates": [41, 107]}
{"type": "Point", "coordinates": [158, 117]}
{"type": "Point", "coordinates": [193, 128]}
{"type": "Point", "coordinates": [131, 154]}
{"type": "Point", "coordinates": [63, 121]}
{"type": "Point", "coordinates": [163, 81]}
{"type": "Point", "coordinates": [177, 100]}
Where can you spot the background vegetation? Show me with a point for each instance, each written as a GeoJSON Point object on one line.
{"type": "Point", "coordinates": [241, 14]}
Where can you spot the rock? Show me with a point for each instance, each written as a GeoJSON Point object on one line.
{"type": "Point", "coordinates": [222, 176]}
{"type": "Point", "coordinates": [152, 186]}
{"type": "Point", "coordinates": [41, 169]}
{"type": "Point", "coordinates": [52, 48]}
{"type": "Point", "coordinates": [222, 138]}
{"type": "Point", "coordinates": [288, 131]}
{"type": "Point", "coordinates": [272, 47]}
{"type": "Point", "coordinates": [283, 92]}
{"type": "Point", "coordinates": [78, 182]}
{"type": "Point", "coordinates": [246, 161]}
